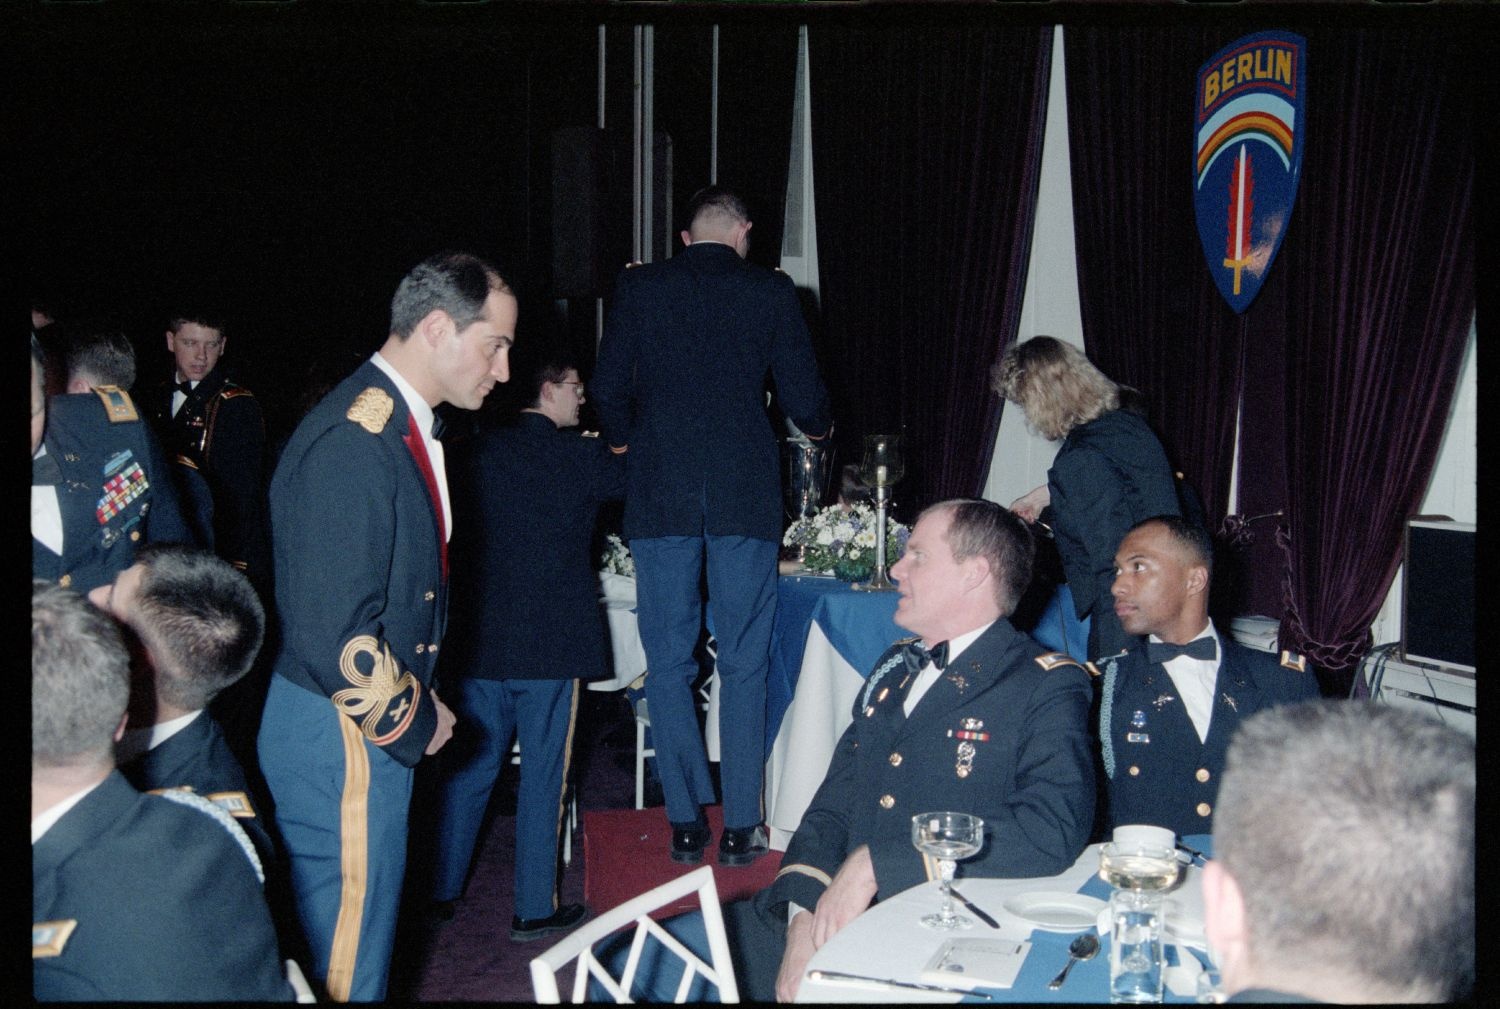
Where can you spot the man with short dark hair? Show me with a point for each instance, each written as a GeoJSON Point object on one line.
{"type": "Point", "coordinates": [134, 897]}
{"type": "Point", "coordinates": [680, 384]}
{"type": "Point", "coordinates": [98, 355]}
{"type": "Point", "coordinates": [526, 628]}
{"type": "Point", "coordinates": [200, 626]}
{"type": "Point", "coordinates": [971, 716]}
{"type": "Point", "coordinates": [1169, 705]}
{"type": "Point", "coordinates": [360, 516]}
{"type": "Point", "coordinates": [1343, 866]}
{"type": "Point", "coordinates": [213, 427]}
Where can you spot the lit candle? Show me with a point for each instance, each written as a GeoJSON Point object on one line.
{"type": "Point", "coordinates": [880, 474]}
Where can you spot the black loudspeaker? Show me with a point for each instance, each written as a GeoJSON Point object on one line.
{"type": "Point", "coordinates": [580, 199]}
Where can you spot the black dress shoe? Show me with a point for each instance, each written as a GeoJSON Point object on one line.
{"type": "Point", "coordinates": [741, 847]}
{"type": "Point", "coordinates": [688, 843]}
{"type": "Point", "coordinates": [561, 920]}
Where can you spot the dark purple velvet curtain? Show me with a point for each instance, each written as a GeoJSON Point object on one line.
{"type": "Point", "coordinates": [1152, 317]}
{"type": "Point", "coordinates": [927, 146]}
{"type": "Point", "coordinates": [1369, 320]}
{"type": "Point", "coordinates": [1348, 357]}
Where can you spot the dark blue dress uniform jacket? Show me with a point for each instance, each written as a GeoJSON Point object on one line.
{"type": "Point", "coordinates": [360, 585]}
{"type": "Point", "coordinates": [526, 594]}
{"type": "Point", "coordinates": [681, 380]}
{"type": "Point", "coordinates": [1156, 770]}
{"type": "Point", "coordinates": [113, 490]}
{"type": "Point", "coordinates": [220, 435]}
{"type": "Point", "coordinates": [1031, 780]}
{"type": "Point", "coordinates": [197, 758]}
{"type": "Point", "coordinates": [137, 898]}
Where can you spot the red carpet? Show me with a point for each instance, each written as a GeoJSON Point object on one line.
{"type": "Point", "coordinates": [626, 853]}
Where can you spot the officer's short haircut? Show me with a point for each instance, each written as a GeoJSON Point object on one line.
{"type": "Point", "coordinates": [200, 621]}
{"type": "Point", "coordinates": [549, 369]}
{"type": "Point", "coordinates": [1349, 827]}
{"type": "Point", "coordinates": [1193, 540]}
{"type": "Point", "coordinates": [716, 207]}
{"type": "Point", "coordinates": [984, 529]}
{"type": "Point", "coordinates": [207, 316]}
{"type": "Point", "coordinates": [80, 679]}
{"type": "Point", "coordinates": [100, 354]}
{"type": "Point", "coordinates": [459, 283]}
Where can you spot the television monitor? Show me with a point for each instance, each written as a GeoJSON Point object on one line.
{"type": "Point", "coordinates": [1437, 594]}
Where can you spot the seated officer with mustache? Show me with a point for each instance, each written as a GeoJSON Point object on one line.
{"type": "Point", "coordinates": [1168, 706]}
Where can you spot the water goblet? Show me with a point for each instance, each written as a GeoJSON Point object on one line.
{"type": "Point", "coordinates": [949, 838]}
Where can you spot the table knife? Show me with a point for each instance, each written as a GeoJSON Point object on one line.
{"type": "Point", "coordinates": [982, 915]}
{"type": "Point", "coordinates": [836, 975]}
{"type": "Point", "coordinates": [1194, 852]}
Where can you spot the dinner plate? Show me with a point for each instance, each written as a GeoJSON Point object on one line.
{"type": "Point", "coordinates": [1055, 911]}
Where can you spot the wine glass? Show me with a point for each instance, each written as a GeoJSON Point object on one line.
{"type": "Point", "coordinates": [947, 837]}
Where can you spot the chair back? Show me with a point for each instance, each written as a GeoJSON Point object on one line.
{"type": "Point", "coordinates": [578, 947]}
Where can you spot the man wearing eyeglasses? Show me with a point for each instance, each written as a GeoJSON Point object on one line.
{"type": "Point", "coordinates": [525, 628]}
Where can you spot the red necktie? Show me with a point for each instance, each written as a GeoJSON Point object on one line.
{"type": "Point", "coordinates": [418, 449]}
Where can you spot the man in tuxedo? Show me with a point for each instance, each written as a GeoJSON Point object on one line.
{"type": "Point", "coordinates": [1343, 866]}
{"type": "Point", "coordinates": [680, 387]}
{"type": "Point", "coordinates": [1169, 705]}
{"type": "Point", "coordinates": [526, 628]}
{"type": "Point", "coordinates": [213, 427]}
{"type": "Point", "coordinates": [134, 897]}
{"type": "Point", "coordinates": [360, 515]}
{"type": "Point", "coordinates": [971, 716]}
{"type": "Point", "coordinates": [99, 485]}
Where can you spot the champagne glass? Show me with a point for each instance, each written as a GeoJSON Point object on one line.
{"type": "Point", "coordinates": [947, 837]}
{"type": "Point", "coordinates": [1140, 872]}
{"type": "Point", "coordinates": [1138, 866]}
{"type": "Point", "coordinates": [881, 466]}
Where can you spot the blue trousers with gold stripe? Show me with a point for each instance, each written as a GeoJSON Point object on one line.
{"type": "Point", "coordinates": [341, 807]}
{"type": "Point", "coordinates": [541, 714]}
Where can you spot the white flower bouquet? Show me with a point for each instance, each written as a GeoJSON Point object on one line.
{"type": "Point", "coordinates": [616, 559]}
{"type": "Point", "coordinates": [841, 541]}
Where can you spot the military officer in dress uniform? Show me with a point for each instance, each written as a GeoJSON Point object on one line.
{"type": "Point", "coordinates": [360, 517]}
{"type": "Point", "coordinates": [200, 626]}
{"type": "Point", "coordinates": [99, 487]}
{"type": "Point", "coordinates": [971, 716]}
{"type": "Point", "coordinates": [1168, 707]}
{"type": "Point", "coordinates": [213, 426]}
{"type": "Point", "coordinates": [134, 897]}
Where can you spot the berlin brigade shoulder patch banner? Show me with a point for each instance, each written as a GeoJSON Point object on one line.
{"type": "Point", "coordinates": [1249, 119]}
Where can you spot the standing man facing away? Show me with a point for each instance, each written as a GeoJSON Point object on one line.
{"type": "Point", "coordinates": [680, 387]}
{"type": "Point", "coordinates": [1170, 704]}
{"type": "Point", "coordinates": [360, 519]}
{"type": "Point", "coordinates": [1343, 866]}
{"type": "Point", "coordinates": [527, 627]}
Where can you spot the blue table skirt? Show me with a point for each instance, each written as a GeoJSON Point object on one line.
{"type": "Point", "coordinates": [859, 625]}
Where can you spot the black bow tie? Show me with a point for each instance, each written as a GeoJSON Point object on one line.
{"type": "Point", "coordinates": [185, 387]}
{"type": "Point", "coordinates": [1198, 648]}
{"type": "Point", "coordinates": [916, 655]}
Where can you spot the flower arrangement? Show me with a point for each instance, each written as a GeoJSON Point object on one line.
{"type": "Point", "coordinates": [841, 541]}
{"type": "Point", "coordinates": [616, 559]}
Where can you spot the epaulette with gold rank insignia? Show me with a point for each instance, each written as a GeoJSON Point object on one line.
{"type": "Point", "coordinates": [233, 803]}
{"type": "Point", "coordinates": [117, 404]}
{"type": "Point", "coordinates": [234, 391]}
{"type": "Point", "coordinates": [49, 937]}
{"type": "Point", "coordinates": [371, 409]}
{"type": "Point", "coordinates": [1291, 660]}
{"type": "Point", "coordinates": [1052, 660]}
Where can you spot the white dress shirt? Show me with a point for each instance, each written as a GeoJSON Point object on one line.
{"type": "Point", "coordinates": [137, 741]}
{"type": "Point", "coordinates": [1194, 680]}
{"type": "Point", "coordinates": [43, 823]}
{"type": "Point", "coordinates": [930, 673]}
{"type": "Point", "coordinates": [46, 513]}
{"type": "Point", "coordinates": [178, 396]}
{"type": "Point", "coordinates": [422, 414]}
